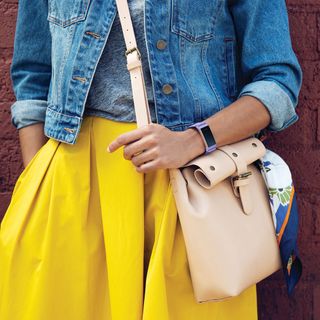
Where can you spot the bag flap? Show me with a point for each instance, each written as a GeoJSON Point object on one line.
{"type": "Point", "coordinates": [225, 161]}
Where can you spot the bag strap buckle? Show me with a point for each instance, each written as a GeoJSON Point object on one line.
{"type": "Point", "coordinates": [132, 50]}
{"type": "Point", "coordinates": [242, 176]}
{"type": "Point", "coordinates": [240, 185]}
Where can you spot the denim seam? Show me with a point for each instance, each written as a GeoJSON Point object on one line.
{"type": "Point", "coordinates": [147, 42]}
{"type": "Point", "coordinates": [183, 70]}
{"type": "Point", "coordinates": [229, 62]}
{"type": "Point", "coordinates": [208, 74]}
{"type": "Point", "coordinates": [181, 125]}
{"type": "Point", "coordinates": [153, 69]}
{"type": "Point", "coordinates": [65, 23]}
{"type": "Point", "coordinates": [62, 114]}
{"type": "Point", "coordinates": [63, 61]}
{"type": "Point", "coordinates": [184, 32]}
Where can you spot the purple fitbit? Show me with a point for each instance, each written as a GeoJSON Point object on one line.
{"type": "Point", "coordinates": [206, 135]}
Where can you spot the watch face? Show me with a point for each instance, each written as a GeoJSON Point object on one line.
{"type": "Point", "coordinates": [208, 136]}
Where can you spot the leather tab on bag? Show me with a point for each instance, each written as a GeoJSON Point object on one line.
{"type": "Point", "coordinates": [237, 157]}
{"type": "Point", "coordinates": [241, 190]}
{"type": "Point", "coordinates": [241, 179]}
{"type": "Point", "coordinates": [230, 161]}
{"type": "Point", "coordinates": [218, 165]}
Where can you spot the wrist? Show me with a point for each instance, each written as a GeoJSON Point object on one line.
{"type": "Point", "coordinates": [194, 144]}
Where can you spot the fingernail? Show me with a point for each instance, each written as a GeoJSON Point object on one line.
{"type": "Point", "coordinates": [108, 149]}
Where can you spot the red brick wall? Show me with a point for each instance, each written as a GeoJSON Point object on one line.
{"type": "Point", "coordinates": [299, 145]}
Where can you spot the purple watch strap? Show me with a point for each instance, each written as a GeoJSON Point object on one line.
{"type": "Point", "coordinates": [206, 135]}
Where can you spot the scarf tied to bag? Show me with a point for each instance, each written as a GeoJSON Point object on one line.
{"type": "Point", "coordinates": [282, 198]}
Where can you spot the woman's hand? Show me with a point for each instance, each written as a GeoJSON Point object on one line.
{"type": "Point", "coordinates": [154, 146]}
{"type": "Point", "coordinates": [164, 148]}
{"type": "Point", "coordinates": [32, 138]}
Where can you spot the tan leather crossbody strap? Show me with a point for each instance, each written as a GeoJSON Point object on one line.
{"type": "Point", "coordinates": [134, 65]}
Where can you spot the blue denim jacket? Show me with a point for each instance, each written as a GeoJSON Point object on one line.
{"type": "Point", "coordinates": [217, 51]}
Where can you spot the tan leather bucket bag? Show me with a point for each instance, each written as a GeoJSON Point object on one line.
{"type": "Point", "coordinates": [226, 219]}
{"type": "Point", "coordinates": [222, 202]}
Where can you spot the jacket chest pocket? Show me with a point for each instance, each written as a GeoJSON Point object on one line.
{"type": "Point", "coordinates": [67, 12]}
{"type": "Point", "coordinates": [195, 19]}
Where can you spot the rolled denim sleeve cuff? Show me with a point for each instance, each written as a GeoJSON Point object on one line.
{"type": "Point", "coordinates": [276, 100]}
{"type": "Point", "coordinates": [27, 112]}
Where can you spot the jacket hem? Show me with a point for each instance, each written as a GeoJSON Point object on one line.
{"type": "Point", "coordinates": [62, 127]}
{"type": "Point", "coordinates": [28, 112]}
{"type": "Point", "coordinates": [277, 102]}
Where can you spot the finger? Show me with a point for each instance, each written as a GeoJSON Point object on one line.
{"type": "Point", "coordinates": [137, 147]}
{"type": "Point", "coordinates": [147, 167]}
{"type": "Point", "coordinates": [127, 138]}
{"type": "Point", "coordinates": [145, 156]}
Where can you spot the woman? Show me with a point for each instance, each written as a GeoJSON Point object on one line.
{"type": "Point", "coordinates": [91, 234]}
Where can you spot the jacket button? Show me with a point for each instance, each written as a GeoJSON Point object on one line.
{"type": "Point", "coordinates": [161, 44]}
{"type": "Point", "coordinates": [167, 89]}
{"type": "Point", "coordinates": [69, 137]}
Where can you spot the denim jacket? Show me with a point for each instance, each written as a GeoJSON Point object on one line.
{"type": "Point", "coordinates": [215, 52]}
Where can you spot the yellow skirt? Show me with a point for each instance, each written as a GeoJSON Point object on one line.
{"type": "Point", "coordinates": [87, 237]}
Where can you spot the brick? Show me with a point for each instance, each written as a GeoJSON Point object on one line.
{"type": "Point", "coordinates": [7, 130]}
{"type": "Point", "coordinates": [306, 208]}
{"type": "Point", "coordinates": [10, 156]}
{"type": "Point", "coordinates": [311, 75]}
{"type": "Point", "coordinates": [289, 140]}
{"type": "Point", "coordinates": [304, 39]}
{"type": "Point", "coordinates": [6, 91]}
{"type": "Point", "coordinates": [318, 125]}
{"type": "Point", "coordinates": [4, 203]}
{"type": "Point", "coordinates": [306, 5]}
{"type": "Point", "coordinates": [8, 13]}
{"type": "Point", "coordinates": [308, 249]}
{"type": "Point", "coordinates": [316, 299]}
{"type": "Point", "coordinates": [274, 304]}
{"type": "Point", "coordinates": [316, 216]}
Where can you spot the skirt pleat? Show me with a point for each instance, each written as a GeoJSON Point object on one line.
{"type": "Point", "coordinates": [87, 237]}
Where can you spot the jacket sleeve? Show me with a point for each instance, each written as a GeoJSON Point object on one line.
{"type": "Point", "coordinates": [270, 67]}
{"type": "Point", "coordinates": [30, 70]}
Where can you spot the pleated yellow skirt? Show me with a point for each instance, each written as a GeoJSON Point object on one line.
{"type": "Point", "coordinates": [87, 237]}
